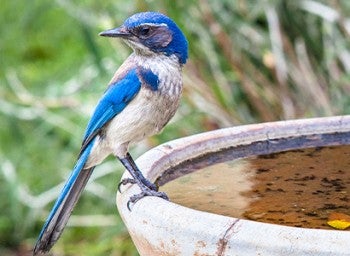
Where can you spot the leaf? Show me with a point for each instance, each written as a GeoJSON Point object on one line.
{"type": "Point", "coordinates": [339, 220]}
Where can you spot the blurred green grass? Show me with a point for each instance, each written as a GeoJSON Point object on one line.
{"type": "Point", "coordinates": [250, 61]}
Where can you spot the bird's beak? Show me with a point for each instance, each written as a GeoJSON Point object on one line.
{"type": "Point", "coordinates": [116, 32]}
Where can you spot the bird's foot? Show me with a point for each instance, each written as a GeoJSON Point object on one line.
{"type": "Point", "coordinates": [145, 182]}
{"type": "Point", "coordinates": [146, 192]}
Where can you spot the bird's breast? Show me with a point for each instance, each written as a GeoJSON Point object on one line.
{"type": "Point", "coordinates": [149, 111]}
{"type": "Point", "coordinates": [144, 116]}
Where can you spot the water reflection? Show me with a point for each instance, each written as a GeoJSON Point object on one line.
{"type": "Point", "coordinates": [295, 188]}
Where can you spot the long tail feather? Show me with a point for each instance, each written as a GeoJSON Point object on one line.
{"type": "Point", "coordinates": [64, 205]}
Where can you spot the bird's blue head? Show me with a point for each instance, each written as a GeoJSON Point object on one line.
{"type": "Point", "coordinates": [152, 32]}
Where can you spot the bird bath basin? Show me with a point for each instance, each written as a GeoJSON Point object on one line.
{"type": "Point", "coordinates": [264, 189]}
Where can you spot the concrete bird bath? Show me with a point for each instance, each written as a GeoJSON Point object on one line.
{"type": "Point", "coordinates": [215, 210]}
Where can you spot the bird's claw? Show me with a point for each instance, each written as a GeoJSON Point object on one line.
{"type": "Point", "coordinates": [125, 181]}
{"type": "Point", "coordinates": [144, 193]}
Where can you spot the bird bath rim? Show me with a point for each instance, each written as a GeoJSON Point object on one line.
{"type": "Point", "coordinates": [166, 228]}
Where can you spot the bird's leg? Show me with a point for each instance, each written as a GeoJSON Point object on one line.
{"type": "Point", "coordinates": [147, 187]}
{"type": "Point", "coordinates": [137, 175]}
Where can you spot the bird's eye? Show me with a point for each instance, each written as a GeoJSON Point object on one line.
{"type": "Point", "coordinates": [144, 31]}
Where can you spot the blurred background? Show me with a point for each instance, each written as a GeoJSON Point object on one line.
{"type": "Point", "coordinates": [250, 61]}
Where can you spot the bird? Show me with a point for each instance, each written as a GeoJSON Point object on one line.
{"type": "Point", "coordinates": [141, 98]}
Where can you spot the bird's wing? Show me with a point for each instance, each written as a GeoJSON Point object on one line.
{"type": "Point", "coordinates": [115, 99]}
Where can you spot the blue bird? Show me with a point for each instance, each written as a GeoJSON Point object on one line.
{"type": "Point", "coordinates": [141, 98]}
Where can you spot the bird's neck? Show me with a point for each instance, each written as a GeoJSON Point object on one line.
{"type": "Point", "coordinates": [167, 68]}
{"type": "Point", "coordinates": [157, 62]}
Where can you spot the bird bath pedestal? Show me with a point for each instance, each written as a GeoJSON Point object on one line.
{"type": "Point", "coordinates": [262, 189]}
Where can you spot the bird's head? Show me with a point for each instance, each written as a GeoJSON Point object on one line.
{"type": "Point", "coordinates": [152, 32]}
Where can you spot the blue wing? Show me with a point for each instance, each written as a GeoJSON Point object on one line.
{"type": "Point", "coordinates": [115, 99]}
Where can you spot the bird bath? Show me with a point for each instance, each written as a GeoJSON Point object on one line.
{"type": "Point", "coordinates": [264, 189]}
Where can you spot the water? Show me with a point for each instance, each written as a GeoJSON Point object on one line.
{"type": "Point", "coordinates": [299, 188]}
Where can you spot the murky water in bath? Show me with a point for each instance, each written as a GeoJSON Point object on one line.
{"type": "Point", "coordinates": [296, 188]}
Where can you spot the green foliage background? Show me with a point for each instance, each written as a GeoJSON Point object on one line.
{"type": "Point", "coordinates": [250, 61]}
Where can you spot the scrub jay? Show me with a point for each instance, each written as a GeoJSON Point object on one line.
{"type": "Point", "coordinates": [141, 98]}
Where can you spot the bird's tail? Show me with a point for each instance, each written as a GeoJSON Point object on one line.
{"type": "Point", "coordinates": [64, 205]}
